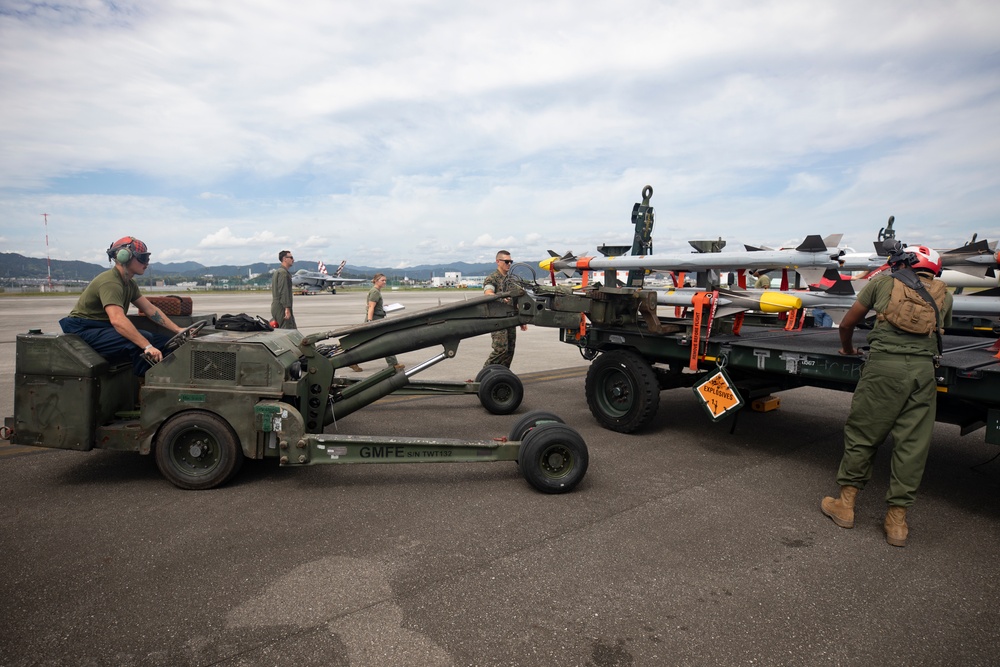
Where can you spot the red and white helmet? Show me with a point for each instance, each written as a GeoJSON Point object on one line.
{"type": "Point", "coordinates": [927, 259]}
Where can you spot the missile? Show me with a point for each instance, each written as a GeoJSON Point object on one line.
{"type": "Point", "coordinates": [982, 304]}
{"type": "Point", "coordinates": [733, 301]}
{"type": "Point", "coordinates": [811, 259]}
{"type": "Point", "coordinates": [985, 304]}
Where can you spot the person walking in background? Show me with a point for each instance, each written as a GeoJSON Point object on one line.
{"type": "Point", "coordinates": [375, 311]}
{"type": "Point", "coordinates": [503, 340]}
{"type": "Point", "coordinates": [281, 292]}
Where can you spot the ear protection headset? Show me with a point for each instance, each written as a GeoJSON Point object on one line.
{"type": "Point", "coordinates": [125, 248]}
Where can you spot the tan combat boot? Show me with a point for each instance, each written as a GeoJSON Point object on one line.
{"type": "Point", "coordinates": [841, 509]}
{"type": "Point", "coordinates": [896, 529]}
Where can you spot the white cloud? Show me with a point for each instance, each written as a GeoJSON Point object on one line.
{"type": "Point", "coordinates": [224, 238]}
{"type": "Point", "coordinates": [415, 132]}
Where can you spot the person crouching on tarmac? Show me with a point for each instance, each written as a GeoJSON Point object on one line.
{"type": "Point", "coordinates": [99, 317]}
{"type": "Point", "coordinates": [897, 392]}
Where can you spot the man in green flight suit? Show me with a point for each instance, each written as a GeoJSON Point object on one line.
{"type": "Point", "coordinates": [897, 392]}
{"type": "Point", "coordinates": [281, 292]}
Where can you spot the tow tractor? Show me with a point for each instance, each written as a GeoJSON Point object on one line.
{"type": "Point", "coordinates": [637, 351]}
{"type": "Point", "coordinates": [221, 396]}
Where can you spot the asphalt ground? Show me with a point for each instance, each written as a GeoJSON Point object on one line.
{"type": "Point", "coordinates": [692, 543]}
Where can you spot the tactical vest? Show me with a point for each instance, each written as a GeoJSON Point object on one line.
{"type": "Point", "coordinates": [910, 312]}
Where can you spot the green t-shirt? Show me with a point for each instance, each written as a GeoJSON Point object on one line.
{"type": "Point", "coordinates": [375, 296]}
{"type": "Point", "coordinates": [886, 338]}
{"type": "Point", "coordinates": [107, 289]}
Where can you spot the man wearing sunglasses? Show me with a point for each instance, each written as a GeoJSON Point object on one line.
{"type": "Point", "coordinates": [100, 315]}
{"type": "Point", "coordinates": [281, 292]}
{"type": "Point", "coordinates": [503, 341]}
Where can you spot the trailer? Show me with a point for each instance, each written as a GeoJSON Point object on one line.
{"type": "Point", "coordinates": [638, 350]}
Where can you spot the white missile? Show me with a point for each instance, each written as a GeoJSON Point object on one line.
{"type": "Point", "coordinates": [810, 259]}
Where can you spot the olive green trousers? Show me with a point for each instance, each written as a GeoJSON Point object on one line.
{"type": "Point", "coordinates": [897, 394]}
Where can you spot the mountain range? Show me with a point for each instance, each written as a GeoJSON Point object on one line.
{"type": "Point", "coordinates": [14, 266]}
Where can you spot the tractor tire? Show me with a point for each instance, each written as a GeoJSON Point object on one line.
{"type": "Point", "coordinates": [501, 391]}
{"type": "Point", "coordinates": [486, 370]}
{"type": "Point", "coordinates": [553, 458]}
{"type": "Point", "coordinates": [533, 419]}
{"type": "Point", "coordinates": [623, 391]}
{"type": "Point", "coordinates": [197, 450]}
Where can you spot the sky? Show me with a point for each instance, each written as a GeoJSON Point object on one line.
{"type": "Point", "coordinates": [407, 132]}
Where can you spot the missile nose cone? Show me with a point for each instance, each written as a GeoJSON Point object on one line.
{"type": "Point", "coordinates": [779, 302]}
{"type": "Point", "coordinates": [546, 264]}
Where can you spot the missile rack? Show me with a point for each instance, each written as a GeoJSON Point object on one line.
{"type": "Point", "coordinates": [636, 352]}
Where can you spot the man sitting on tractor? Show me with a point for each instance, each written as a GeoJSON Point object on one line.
{"type": "Point", "coordinates": [99, 317]}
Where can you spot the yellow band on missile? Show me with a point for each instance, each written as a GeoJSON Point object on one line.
{"type": "Point", "coordinates": [779, 302]}
{"type": "Point", "coordinates": [546, 264]}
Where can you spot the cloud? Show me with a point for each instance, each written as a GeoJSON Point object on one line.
{"type": "Point", "coordinates": [224, 238]}
{"type": "Point", "coordinates": [418, 132]}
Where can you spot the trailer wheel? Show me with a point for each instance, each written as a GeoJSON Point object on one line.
{"type": "Point", "coordinates": [486, 370]}
{"type": "Point", "coordinates": [533, 419]}
{"type": "Point", "coordinates": [553, 458]}
{"type": "Point", "coordinates": [197, 450]}
{"type": "Point", "coordinates": [622, 390]}
{"type": "Point", "coordinates": [501, 392]}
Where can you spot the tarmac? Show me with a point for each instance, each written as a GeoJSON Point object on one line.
{"type": "Point", "coordinates": [691, 543]}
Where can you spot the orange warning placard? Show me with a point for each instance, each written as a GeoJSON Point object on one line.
{"type": "Point", "coordinates": [717, 393]}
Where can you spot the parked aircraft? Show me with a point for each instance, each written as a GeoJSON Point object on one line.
{"type": "Point", "coordinates": [311, 282]}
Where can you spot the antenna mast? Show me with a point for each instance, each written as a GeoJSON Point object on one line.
{"type": "Point", "coordinates": [48, 260]}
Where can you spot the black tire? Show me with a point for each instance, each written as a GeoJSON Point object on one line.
{"type": "Point", "coordinates": [197, 450]}
{"type": "Point", "coordinates": [553, 458]}
{"type": "Point", "coordinates": [530, 421]}
{"type": "Point", "coordinates": [622, 390]}
{"type": "Point", "coordinates": [486, 370]}
{"type": "Point", "coordinates": [501, 392]}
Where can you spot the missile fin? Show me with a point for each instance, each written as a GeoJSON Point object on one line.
{"type": "Point", "coordinates": [810, 274]}
{"type": "Point", "coordinates": [833, 240]}
{"type": "Point", "coordinates": [841, 286]}
{"type": "Point", "coordinates": [812, 243]}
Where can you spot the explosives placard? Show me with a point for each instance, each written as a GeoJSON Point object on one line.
{"type": "Point", "coordinates": [718, 395]}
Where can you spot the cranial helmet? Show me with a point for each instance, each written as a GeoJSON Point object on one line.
{"type": "Point", "coordinates": [127, 247]}
{"type": "Point", "coordinates": [927, 259]}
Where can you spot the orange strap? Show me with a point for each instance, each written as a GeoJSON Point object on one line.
{"type": "Point", "coordinates": [699, 301]}
{"type": "Point", "coordinates": [583, 327]}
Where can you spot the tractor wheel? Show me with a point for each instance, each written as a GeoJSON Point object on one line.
{"type": "Point", "coordinates": [501, 392]}
{"type": "Point", "coordinates": [553, 458]}
{"type": "Point", "coordinates": [197, 450]}
{"type": "Point", "coordinates": [622, 390]}
{"type": "Point", "coordinates": [533, 419]}
{"type": "Point", "coordinates": [486, 370]}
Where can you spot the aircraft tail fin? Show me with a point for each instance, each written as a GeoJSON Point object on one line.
{"type": "Point", "coordinates": [340, 268]}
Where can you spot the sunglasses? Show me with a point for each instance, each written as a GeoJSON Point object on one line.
{"type": "Point", "coordinates": [506, 261]}
{"type": "Point", "coordinates": [143, 257]}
